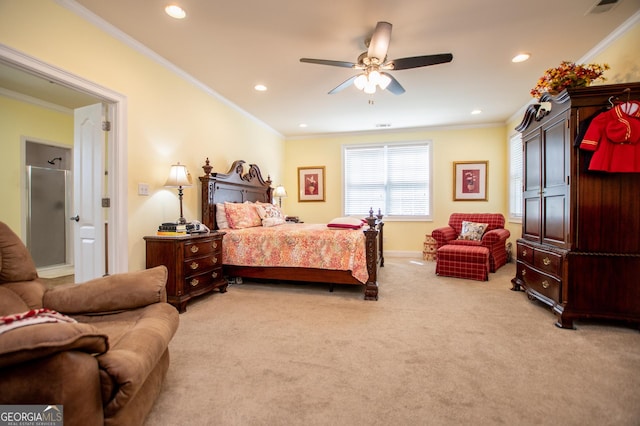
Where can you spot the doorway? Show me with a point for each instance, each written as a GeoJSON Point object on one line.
{"type": "Point", "coordinates": [55, 86]}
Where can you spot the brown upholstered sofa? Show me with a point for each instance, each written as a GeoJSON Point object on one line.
{"type": "Point", "coordinates": [106, 368]}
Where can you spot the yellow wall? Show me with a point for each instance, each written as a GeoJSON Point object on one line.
{"type": "Point", "coordinates": [622, 56]}
{"type": "Point", "coordinates": [169, 119]}
{"type": "Point", "coordinates": [449, 145]}
{"type": "Point", "coordinates": [17, 120]}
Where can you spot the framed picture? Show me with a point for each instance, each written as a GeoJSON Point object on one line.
{"type": "Point", "coordinates": [311, 183]}
{"type": "Point", "coordinates": [470, 180]}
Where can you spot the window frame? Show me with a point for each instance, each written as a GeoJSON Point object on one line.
{"type": "Point", "coordinates": [516, 175]}
{"type": "Point", "coordinates": [385, 145]}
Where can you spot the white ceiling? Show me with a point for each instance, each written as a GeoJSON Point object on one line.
{"type": "Point", "coordinates": [230, 46]}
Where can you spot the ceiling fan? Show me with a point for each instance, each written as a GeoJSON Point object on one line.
{"type": "Point", "coordinates": [373, 64]}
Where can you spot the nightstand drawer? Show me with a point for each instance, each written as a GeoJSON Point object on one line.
{"type": "Point", "coordinates": [548, 262]}
{"type": "Point", "coordinates": [201, 248]}
{"type": "Point", "coordinates": [204, 279]}
{"type": "Point", "coordinates": [201, 264]}
{"type": "Point", "coordinates": [543, 284]}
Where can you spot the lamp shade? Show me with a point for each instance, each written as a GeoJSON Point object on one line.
{"type": "Point", "coordinates": [280, 192]}
{"type": "Point", "coordinates": [178, 176]}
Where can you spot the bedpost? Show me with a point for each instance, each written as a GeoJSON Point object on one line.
{"type": "Point", "coordinates": [207, 208]}
{"type": "Point", "coordinates": [372, 247]}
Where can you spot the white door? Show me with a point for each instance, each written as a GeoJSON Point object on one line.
{"type": "Point", "coordinates": [88, 178]}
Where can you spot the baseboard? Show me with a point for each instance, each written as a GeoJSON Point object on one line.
{"type": "Point", "coordinates": [411, 254]}
{"type": "Point", "coordinates": [56, 271]}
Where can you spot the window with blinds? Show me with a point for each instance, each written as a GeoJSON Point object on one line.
{"type": "Point", "coordinates": [515, 178]}
{"type": "Point", "coordinates": [395, 178]}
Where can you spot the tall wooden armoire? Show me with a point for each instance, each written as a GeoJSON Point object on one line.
{"type": "Point", "coordinates": [580, 247]}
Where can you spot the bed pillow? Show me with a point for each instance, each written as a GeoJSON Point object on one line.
{"type": "Point", "coordinates": [346, 223]}
{"type": "Point", "coordinates": [273, 221]}
{"type": "Point", "coordinates": [472, 231]}
{"type": "Point", "coordinates": [268, 211]}
{"type": "Point", "coordinates": [242, 215]}
{"type": "Point", "coordinates": [221, 216]}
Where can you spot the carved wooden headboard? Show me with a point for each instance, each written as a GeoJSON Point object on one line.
{"type": "Point", "coordinates": [243, 182]}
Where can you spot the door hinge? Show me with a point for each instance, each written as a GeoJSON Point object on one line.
{"type": "Point", "coordinates": [106, 126]}
{"type": "Point", "coordinates": [106, 202]}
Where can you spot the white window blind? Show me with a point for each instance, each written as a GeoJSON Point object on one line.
{"type": "Point", "coordinates": [515, 178]}
{"type": "Point", "coordinates": [395, 178]}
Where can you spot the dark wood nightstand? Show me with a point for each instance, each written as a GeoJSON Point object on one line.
{"type": "Point", "coordinates": [194, 262]}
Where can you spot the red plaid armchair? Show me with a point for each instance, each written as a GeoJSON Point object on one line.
{"type": "Point", "coordinates": [494, 237]}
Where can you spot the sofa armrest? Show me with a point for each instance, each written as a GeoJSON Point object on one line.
{"type": "Point", "coordinates": [37, 341]}
{"type": "Point", "coordinates": [495, 236]}
{"type": "Point", "coordinates": [443, 235]}
{"type": "Point", "coordinates": [112, 293]}
{"type": "Point", "coordinates": [68, 378]}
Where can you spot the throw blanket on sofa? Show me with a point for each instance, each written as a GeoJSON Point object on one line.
{"type": "Point", "coordinates": [34, 316]}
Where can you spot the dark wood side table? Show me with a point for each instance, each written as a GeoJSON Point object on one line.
{"type": "Point", "coordinates": [194, 263]}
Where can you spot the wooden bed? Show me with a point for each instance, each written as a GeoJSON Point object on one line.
{"type": "Point", "coordinates": [244, 182]}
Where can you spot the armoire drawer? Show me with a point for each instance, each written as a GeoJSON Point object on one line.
{"type": "Point", "coordinates": [544, 284]}
{"type": "Point", "coordinates": [548, 262]}
{"type": "Point", "coordinates": [525, 253]}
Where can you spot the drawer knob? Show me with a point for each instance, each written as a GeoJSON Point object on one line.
{"type": "Point", "coordinates": [194, 249]}
{"type": "Point", "coordinates": [194, 282]}
{"type": "Point", "coordinates": [215, 259]}
{"type": "Point", "coordinates": [524, 253]}
{"type": "Point", "coordinates": [546, 261]}
{"type": "Point", "coordinates": [214, 244]}
{"type": "Point", "coordinates": [545, 284]}
{"type": "Point", "coordinates": [524, 272]}
{"type": "Point", "coordinates": [214, 275]}
{"type": "Point", "coordinates": [194, 265]}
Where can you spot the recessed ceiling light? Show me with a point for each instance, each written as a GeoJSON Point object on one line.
{"type": "Point", "coordinates": [302, 125]}
{"type": "Point", "coordinates": [476, 112]}
{"type": "Point", "coordinates": [520, 57]}
{"type": "Point", "coordinates": [175, 11]}
{"type": "Point", "coordinates": [260, 87]}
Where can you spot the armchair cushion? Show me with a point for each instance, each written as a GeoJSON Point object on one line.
{"type": "Point", "coordinates": [113, 293]}
{"type": "Point", "coordinates": [41, 340]}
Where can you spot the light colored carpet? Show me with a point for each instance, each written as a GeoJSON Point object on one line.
{"type": "Point", "coordinates": [431, 351]}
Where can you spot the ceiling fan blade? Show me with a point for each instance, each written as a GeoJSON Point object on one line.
{"type": "Point", "coordinates": [394, 87]}
{"type": "Point", "coordinates": [380, 40]}
{"type": "Point", "coordinates": [343, 85]}
{"type": "Point", "coordinates": [329, 62]}
{"type": "Point", "coordinates": [419, 61]}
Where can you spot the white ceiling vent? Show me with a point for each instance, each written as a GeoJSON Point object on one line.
{"type": "Point", "coordinates": [602, 6]}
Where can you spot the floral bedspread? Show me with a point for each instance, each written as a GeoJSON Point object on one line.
{"type": "Point", "coordinates": [297, 245]}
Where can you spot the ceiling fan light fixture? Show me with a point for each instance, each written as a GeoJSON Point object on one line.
{"type": "Point", "coordinates": [384, 81]}
{"type": "Point", "coordinates": [374, 77]}
{"type": "Point", "coordinates": [370, 88]}
{"type": "Point", "coordinates": [360, 81]}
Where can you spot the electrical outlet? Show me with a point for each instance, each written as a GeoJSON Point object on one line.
{"type": "Point", "coordinates": [143, 189]}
